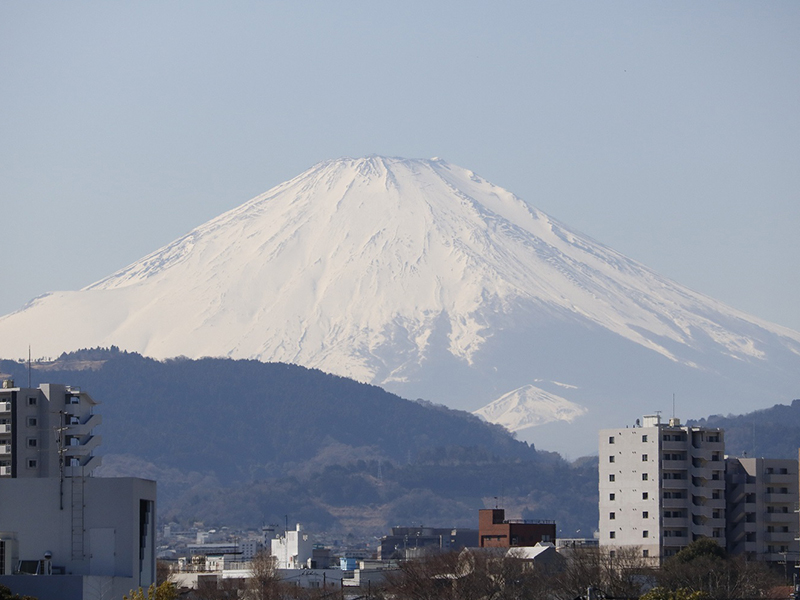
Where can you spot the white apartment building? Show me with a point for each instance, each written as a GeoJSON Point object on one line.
{"type": "Point", "coordinates": [65, 535]}
{"type": "Point", "coordinates": [662, 485]}
{"type": "Point", "coordinates": [761, 497]}
{"type": "Point", "coordinates": [47, 431]}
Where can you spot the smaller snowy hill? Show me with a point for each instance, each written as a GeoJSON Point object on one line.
{"type": "Point", "coordinates": [527, 407]}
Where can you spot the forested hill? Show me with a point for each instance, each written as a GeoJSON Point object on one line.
{"type": "Point", "coordinates": [769, 433]}
{"type": "Point", "coordinates": [240, 442]}
{"type": "Point", "coordinates": [241, 419]}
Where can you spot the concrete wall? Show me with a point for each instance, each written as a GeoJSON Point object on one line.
{"type": "Point", "coordinates": [90, 527]}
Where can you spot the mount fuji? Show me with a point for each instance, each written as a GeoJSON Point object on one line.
{"type": "Point", "coordinates": [424, 278]}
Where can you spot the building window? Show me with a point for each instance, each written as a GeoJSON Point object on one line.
{"type": "Point", "coordinates": [612, 516]}
{"type": "Point", "coordinates": [644, 438]}
{"type": "Point", "coordinates": [644, 457]}
{"type": "Point", "coordinates": [645, 534]}
{"type": "Point", "coordinates": [715, 475]}
{"type": "Point", "coordinates": [644, 495]}
{"type": "Point", "coordinates": [612, 497]}
{"type": "Point", "coordinates": [715, 514]}
{"type": "Point", "coordinates": [32, 463]}
{"type": "Point", "coordinates": [32, 442]}
{"type": "Point", "coordinates": [611, 477]}
{"type": "Point", "coordinates": [32, 421]}
{"type": "Point", "coordinates": [645, 553]}
{"type": "Point", "coordinates": [612, 554]}
{"type": "Point", "coordinates": [611, 439]}
{"type": "Point", "coordinates": [715, 495]}
{"type": "Point", "coordinates": [784, 471]}
{"type": "Point", "coordinates": [644, 476]}
{"type": "Point", "coordinates": [32, 401]}
{"type": "Point", "coordinates": [612, 534]}
{"type": "Point", "coordinates": [610, 459]}
{"type": "Point", "coordinates": [645, 514]}
{"type": "Point", "coordinates": [770, 470]}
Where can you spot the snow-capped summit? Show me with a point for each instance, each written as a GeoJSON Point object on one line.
{"type": "Point", "coordinates": [424, 278]}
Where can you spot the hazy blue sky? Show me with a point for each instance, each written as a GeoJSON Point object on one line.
{"type": "Point", "coordinates": [669, 131]}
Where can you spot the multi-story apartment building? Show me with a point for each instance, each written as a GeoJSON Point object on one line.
{"type": "Point", "coordinates": [662, 485]}
{"type": "Point", "coordinates": [90, 536]}
{"type": "Point", "coordinates": [761, 497]}
{"type": "Point", "coordinates": [47, 431]}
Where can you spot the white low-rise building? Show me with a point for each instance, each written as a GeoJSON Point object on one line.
{"type": "Point", "coordinates": [293, 550]}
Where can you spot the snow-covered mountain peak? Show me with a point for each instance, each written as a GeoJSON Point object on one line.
{"type": "Point", "coordinates": [414, 274]}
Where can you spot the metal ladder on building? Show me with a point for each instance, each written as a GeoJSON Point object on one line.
{"type": "Point", "coordinates": [77, 517]}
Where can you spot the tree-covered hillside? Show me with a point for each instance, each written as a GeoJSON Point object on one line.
{"type": "Point", "coordinates": [235, 442]}
{"type": "Point", "coordinates": [769, 433]}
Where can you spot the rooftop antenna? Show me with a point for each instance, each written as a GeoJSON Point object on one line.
{"type": "Point", "coordinates": [29, 365]}
{"type": "Point", "coordinates": [673, 405]}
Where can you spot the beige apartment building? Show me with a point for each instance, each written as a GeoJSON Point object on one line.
{"type": "Point", "coordinates": [662, 485]}
{"type": "Point", "coordinates": [761, 520]}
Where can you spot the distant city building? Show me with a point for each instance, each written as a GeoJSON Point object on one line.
{"type": "Point", "coordinates": [761, 497]}
{"type": "Point", "coordinates": [662, 485]}
{"type": "Point", "coordinates": [293, 550]}
{"type": "Point", "coordinates": [412, 542]}
{"type": "Point", "coordinates": [497, 532]}
{"type": "Point", "coordinates": [65, 535]}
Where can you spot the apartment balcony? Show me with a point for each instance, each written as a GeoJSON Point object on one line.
{"type": "Point", "coordinates": [779, 557]}
{"type": "Point", "coordinates": [737, 492]}
{"type": "Point", "coordinates": [705, 512]}
{"type": "Point", "coordinates": [779, 537]}
{"type": "Point", "coordinates": [780, 479]}
{"type": "Point", "coordinates": [83, 449]}
{"type": "Point", "coordinates": [5, 407]}
{"type": "Point", "coordinates": [5, 471]}
{"type": "Point", "coordinates": [780, 498]}
{"type": "Point", "coordinates": [675, 484]}
{"type": "Point", "coordinates": [673, 541]}
{"type": "Point", "coordinates": [5, 428]}
{"type": "Point", "coordinates": [674, 446]}
{"type": "Point", "coordinates": [676, 465]}
{"type": "Point", "coordinates": [751, 547]}
{"type": "Point", "coordinates": [86, 427]}
{"type": "Point", "coordinates": [5, 449]}
{"type": "Point", "coordinates": [675, 502]}
{"type": "Point", "coordinates": [735, 516]}
{"type": "Point", "coordinates": [740, 532]}
{"type": "Point", "coordinates": [675, 522]}
{"type": "Point", "coordinates": [778, 517]}
{"type": "Point", "coordinates": [85, 469]}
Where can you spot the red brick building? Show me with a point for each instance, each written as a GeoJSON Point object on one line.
{"type": "Point", "coordinates": [496, 532]}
